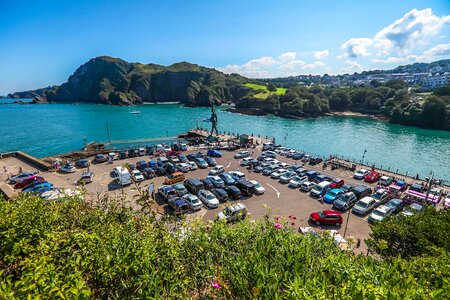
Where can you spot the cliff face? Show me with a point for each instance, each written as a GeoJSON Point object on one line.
{"type": "Point", "coordinates": [108, 80]}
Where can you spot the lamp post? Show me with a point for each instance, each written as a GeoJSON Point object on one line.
{"type": "Point", "coordinates": [346, 223]}
{"type": "Point", "coordinates": [364, 154]}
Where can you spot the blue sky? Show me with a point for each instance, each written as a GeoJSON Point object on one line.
{"type": "Point", "coordinates": [43, 42]}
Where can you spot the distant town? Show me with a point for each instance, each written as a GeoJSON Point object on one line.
{"type": "Point", "coordinates": [425, 76]}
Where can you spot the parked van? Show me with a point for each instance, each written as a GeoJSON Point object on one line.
{"type": "Point", "coordinates": [194, 185]}
{"type": "Point", "coordinates": [246, 187]}
{"type": "Point", "coordinates": [122, 175]}
{"type": "Point", "coordinates": [320, 189]}
{"type": "Point", "coordinates": [174, 178]}
{"type": "Point", "coordinates": [162, 161]}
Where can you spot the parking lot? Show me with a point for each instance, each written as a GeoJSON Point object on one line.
{"type": "Point", "coordinates": [282, 200]}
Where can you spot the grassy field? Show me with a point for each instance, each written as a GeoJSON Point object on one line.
{"type": "Point", "coordinates": [266, 93]}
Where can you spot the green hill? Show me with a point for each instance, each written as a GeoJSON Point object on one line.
{"type": "Point", "coordinates": [109, 80]}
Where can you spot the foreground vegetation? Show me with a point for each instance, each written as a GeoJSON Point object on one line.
{"type": "Point", "coordinates": [73, 250]}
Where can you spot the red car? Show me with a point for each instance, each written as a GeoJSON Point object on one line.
{"type": "Point", "coordinates": [325, 217]}
{"type": "Point", "coordinates": [336, 183]}
{"type": "Point", "coordinates": [27, 181]}
{"type": "Point", "coordinates": [372, 177]}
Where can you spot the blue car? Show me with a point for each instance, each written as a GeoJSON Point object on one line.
{"type": "Point", "coordinates": [214, 153]}
{"type": "Point", "coordinates": [40, 188]}
{"type": "Point", "coordinates": [332, 195]}
{"type": "Point", "coordinates": [227, 178]}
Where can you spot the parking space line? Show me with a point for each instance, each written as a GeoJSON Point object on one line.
{"type": "Point", "coordinates": [229, 164]}
{"type": "Point", "coordinates": [278, 193]}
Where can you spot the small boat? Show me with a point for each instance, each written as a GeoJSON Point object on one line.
{"type": "Point", "coordinates": [206, 119]}
{"type": "Point", "coordinates": [134, 111]}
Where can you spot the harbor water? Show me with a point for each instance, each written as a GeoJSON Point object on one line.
{"type": "Point", "coordinates": [49, 129]}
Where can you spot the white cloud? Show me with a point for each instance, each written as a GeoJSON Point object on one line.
{"type": "Point", "coordinates": [356, 47]}
{"type": "Point", "coordinates": [402, 37]}
{"type": "Point", "coordinates": [287, 57]}
{"type": "Point", "coordinates": [439, 50]}
{"type": "Point", "coordinates": [321, 54]}
{"type": "Point", "coordinates": [286, 64]}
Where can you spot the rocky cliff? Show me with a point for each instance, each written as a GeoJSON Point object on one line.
{"type": "Point", "coordinates": [109, 80]}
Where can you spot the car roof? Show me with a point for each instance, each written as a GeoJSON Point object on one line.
{"type": "Point", "coordinates": [331, 212]}
{"type": "Point", "coordinates": [366, 199]}
{"type": "Point", "coordinates": [383, 208]}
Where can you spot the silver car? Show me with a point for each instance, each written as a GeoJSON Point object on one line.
{"type": "Point", "coordinates": [193, 201]}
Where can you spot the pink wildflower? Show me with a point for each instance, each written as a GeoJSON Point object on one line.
{"type": "Point", "coordinates": [277, 226]}
{"type": "Point", "coordinates": [278, 218]}
{"type": "Point", "coordinates": [216, 285]}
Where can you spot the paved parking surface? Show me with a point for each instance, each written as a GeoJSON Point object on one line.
{"type": "Point", "coordinates": [278, 197]}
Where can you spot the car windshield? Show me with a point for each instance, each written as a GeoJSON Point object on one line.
{"type": "Point", "coordinates": [257, 185]}
{"type": "Point", "coordinates": [345, 199]}
{"type": "Point", "coordinates": [210, 197]}
{"type": "Point", "coordinates": [362, 204]}
{"type": "Point", "coordinates": [321, 214]}
{"type": "Point", "coordinates": [379, 213]}
{"type": "Point", "coordinates": [377, 196]}
{"type": "Point", "coordinates": [334, 193]}
{"type": "Point", "coordinates": [194, 200]}
{"type": "Point", "coordinates": [227, 211]}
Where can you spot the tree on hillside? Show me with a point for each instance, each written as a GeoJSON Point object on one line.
{"type": "Point", "coordinates": [434, 113]}
{"type": "Point", "coordinates": [271, 87]}
{"type": "Point", "coordinates": [442, 91]}
{"type": "Point", "coordinates": [339, 101]}
{"type": "Point", "coordinates": [375, 83]}
{"type": "Point", "coordinates": [409, 236]}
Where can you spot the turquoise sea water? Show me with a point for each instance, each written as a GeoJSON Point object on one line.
{"type": "Point", "coordinates": [48, 129]}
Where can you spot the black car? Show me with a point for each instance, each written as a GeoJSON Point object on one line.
{"type": "Point", "coordinates": [362, 191]}
{"type": "Point", "coordinates": [417, 187]}
{"type": "Point", "coordinates": [182, 158]}
{"type": "Point", "coordinates": [233, 192]}
{"type": "Point", "coordinates": [315, 160]}
{"type": "Point", "coordinates": [133, 153]}
{"type": "Point", "coordinates": [141, 165]}
{"type": "Point", "coordinates": [82, 163]}
{"type": "Point", "coordinates": [311, 174]}
{"type": "Point", "coordinates": [246, 187]}
{"type": "Point", "coordinates": [148, 173]}
{"type": "Point", "coordinates": [396, 205]}
{"type": "Point", "coordinates": [258, 169]}
{"type": "Point", "coordinates": [211, 161]}
{"type": "Point", "coordinates": [321, 177]}
{"type": "Point", "coordinates": [220, 194]}
{"type": "Point", "coordinates": [193, 156]}
{"type": "Point", "coordinates": [123, 154]}
{"type": "Point", "coordinates": [160, 171]}
{"type": "Point", "coordinates": [347, 188]}
{"type": "Point", "coordinates": [207, 183]}
{"type": "Point", "coordinates": [100, 158]}
{"type": "Point", "coordinates": [297, 156]}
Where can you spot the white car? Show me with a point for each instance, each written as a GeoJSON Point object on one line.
{"type": "Point", "coordinates": [307, 186]}
{"type": "Point", "coordinates": [216, 170]}
{"type": "Point", "coordinates": [242, 154]}
{"type": "Point", "coordinates": [21, 177]}
{"type": "Point", "coordinates": [233, 213]}
{"type": "Point", "coordinates": [364, 206]}
{"type": "Point", "coordinates": [184, 167]}
{"type": "Point", "coordinates": [360, 174]}
{"type": "Point", "coordinates": [380, 196]}
{"type": "Point", "coordinates": [208, 199]}
{"type": "Point", "coordinates": [246, 161]}
{"type": "Point", "coordinates": [380, 214]}
{"type": "Point", "coordinates": [59, 194]}
{"type": "Point", "coordinates": [193, 201]}
{"type": "Point", "coordinates": [137, 176]}
{"type": "Point", "coordinates": [385, 180]}
{"type": "Point", "coordinates": [192, 165]}
{"type": "Point", "coordinates": [277, 173]}
{"type": "Point", "coordinates": [297, 181]}
{"type": "Point", "coordinates": [67, 168]}
{"type": "Point", "coordinates": [113, 156]}
{"type": "Point", "coordinates": [259, 189]}
{"type": "Point", "coordinates": [184, 147]}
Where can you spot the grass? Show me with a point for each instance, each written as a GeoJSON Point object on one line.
{"type": "Point", "coordinates": [266, 93]}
